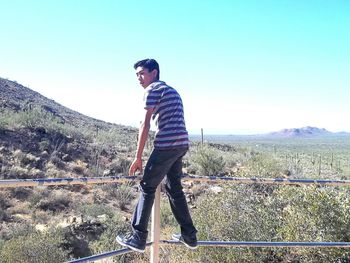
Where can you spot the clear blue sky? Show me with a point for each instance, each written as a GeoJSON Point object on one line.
{"type": "Point", "coordinates": [242, 67]}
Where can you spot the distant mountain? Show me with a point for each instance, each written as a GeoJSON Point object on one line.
{"type": "Point", "coordinates": [16, 97]}
{"type": "Point", "coordinates": [301, 132]}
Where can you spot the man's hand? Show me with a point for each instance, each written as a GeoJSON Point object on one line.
{"type": "Point", "coordinates": [136, 165]}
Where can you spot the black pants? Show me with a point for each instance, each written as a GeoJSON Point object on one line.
{"type": "Point", "coordinates": [163, 163]}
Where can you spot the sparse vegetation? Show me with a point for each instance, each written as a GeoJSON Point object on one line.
{"type": "Point", "coordinates": [38, 140]}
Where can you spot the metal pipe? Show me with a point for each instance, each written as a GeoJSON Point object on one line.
{"type": "Point", "coordinates": [65, 181]}
{"type": "Point", "coordinates": [261, 244]}
{"type": "Point", "coordinates": [101, 256]}
{"type": "Point", "coordinates": [276, 181]}
{"type": "Point", "coordinates": [213, 179]}
{"type": "Point", "coordinates": [222, 244]}
{"type": "Point", "coordinates": [104, 255]}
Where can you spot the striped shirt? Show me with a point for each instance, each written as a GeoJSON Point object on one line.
{"type": "Point", "coordinates": [168, 115]}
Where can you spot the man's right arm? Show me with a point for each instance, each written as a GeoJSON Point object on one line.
{"type": "Point", "coordinates": [143, 135]}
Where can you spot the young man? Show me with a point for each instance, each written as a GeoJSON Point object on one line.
{"type": "Point", "coordinates": [164, 104]}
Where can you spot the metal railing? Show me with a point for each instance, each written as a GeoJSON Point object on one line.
{"type": "Point", "coordinates": [155, 226]}
{"type": "Point", "coordinates": [214, 179]}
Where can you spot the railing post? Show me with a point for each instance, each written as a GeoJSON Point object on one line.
{"type": "Point", "coordinates": [155, 228]}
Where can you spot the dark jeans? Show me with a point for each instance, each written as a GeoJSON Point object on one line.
{"type": "Point", "coordinates": [163, 163]}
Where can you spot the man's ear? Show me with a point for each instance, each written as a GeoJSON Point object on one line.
{"type": "Point", "coordinates": [154, 73]}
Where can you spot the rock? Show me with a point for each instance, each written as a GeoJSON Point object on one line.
{"type": "Point", "coordinates": [66, 158]}
{"type": "Point", "coordinates": [216, 189]}
{"type": "Point", "coordinates": [106, 172]}
{"type": "Point", "coordinates": [102, 218]}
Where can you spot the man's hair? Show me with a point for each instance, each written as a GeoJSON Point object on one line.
{"type": "Point", "coordinates": [149, 64]}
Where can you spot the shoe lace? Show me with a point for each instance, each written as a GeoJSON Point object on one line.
{"type": "Point", "coordinates": [128, 236]}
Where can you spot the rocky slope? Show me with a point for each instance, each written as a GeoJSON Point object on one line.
{"type": "Point", "coordinates": [16, 97]}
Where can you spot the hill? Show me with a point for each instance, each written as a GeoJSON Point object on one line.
{"type": "Point", "coordinates": [15, 97]}
{"type": "Point", "coordinates": [301, 132]}
{"type": "Point", "coordinates": [41, 138]}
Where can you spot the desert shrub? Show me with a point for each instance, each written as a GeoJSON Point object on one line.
{"type": "Point", "coordinates": [75, 132]}
{"type": "Point", "coordinates": [104, 143]}
{"type": "Point", "coordinates": [4, 204]}
{"type": "Point", "coordinates": [23, 165]}
{"type": "Point", "coordinates": [3, 123]}
{"type": "Point", "coordinates": [56, 201]}
{"type": "Point", "coordinates": [53, 171]}
{"type": "Point", "coordinates": [38, 194]}
{"type": "Point", "coordinates": [94, 210]}
{"type": "Point", "coordinates": [37, 117]}
{"type": "Point", "coordinates": [233, 214]}
{"type": "Point", "coordinates": [34, 248]}
{"type": "Point", "coordinates": [29, 159]}
{"type": "Point", "coordinates": [4, 216]}
{"type": "Point", "coordinates": [41, 217]}
{"type": "Point", "coordinates": [207, 161]}
{"type": "Point", "coordinates": [123, 194]}
{"type": "Point", "coordinates": [262, 165]}
{"type": "Point", "coordinates": [14, 230]}
{"type": "Point", "coordinates": [316, 214]}
{"type": "Point", "coordinates": [199, 188]}
{"type": "Point", "coordinates": [78, 167]}
{"type": "Point", "coordinates": [17, 172]}
{"type": "Point", "coordinates": [44, 145]}
{"type": "Point", "coordinates": [5, 118]}
{"type": "Point", "coordinates": [120, 166]}
{"type": "Point", "coordinates": [4, 200]}
{"type": "Point", "coordinates": [286, 214]}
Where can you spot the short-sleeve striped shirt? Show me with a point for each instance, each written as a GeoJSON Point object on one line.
{"type": "Point", "coordinates": [168, 115]}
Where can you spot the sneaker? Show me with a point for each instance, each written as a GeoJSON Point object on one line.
{"type": "Point", "coordinates": [131, 242]}
{"type": "Point", "coordinates": [191, 244]}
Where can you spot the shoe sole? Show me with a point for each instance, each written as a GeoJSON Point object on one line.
{"type": "Point", "coordinates": [183, 242]}
{"type": "Point", "coordinates": [120, 241]}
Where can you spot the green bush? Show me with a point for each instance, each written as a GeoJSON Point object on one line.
{"type": "Point", "coordinates": [37, 195]}
{"type": "Point", "coordinates": [56, 201]}
{"type": "Point", "coordinates": [123, 194]}
{"type": "Point", "coordinates": [37, 117]}
{"type": "Point", "coordinates": [5, 118]}
{"type": "Point", "coordinates": [34, 248]}
{"type": "Point", "coordinates": [21, 193]}
{"type": "Point", "coordinates": [120, 165]}
{"type": "Point", "coordinates": [207, 161]}
{"type": "Point", "coordinates": [3, 123]}
{"type": "Point", "coordinates": [244, 213]}
{"type": "Point", "coordinates": [4, 204]}
{"type": "Point", "coordinates": [316, 214]}
{"type": "Point", "coordinates": [15, 230]}
{"type": "Point", "coordinates": [231, 215]}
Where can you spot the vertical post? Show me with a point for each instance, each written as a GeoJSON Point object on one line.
{"type": "Point", "coordinates": [202, 136]}
{"type": "Point", "coordinates": [155, 228]}
{"type": "Point", "coordinates": [319, 166]}
{"type": "Point", "coordinates": [332, 159]}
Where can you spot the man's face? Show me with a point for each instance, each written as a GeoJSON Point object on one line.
{"type": "Point", "coordinates": [145, 76]}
